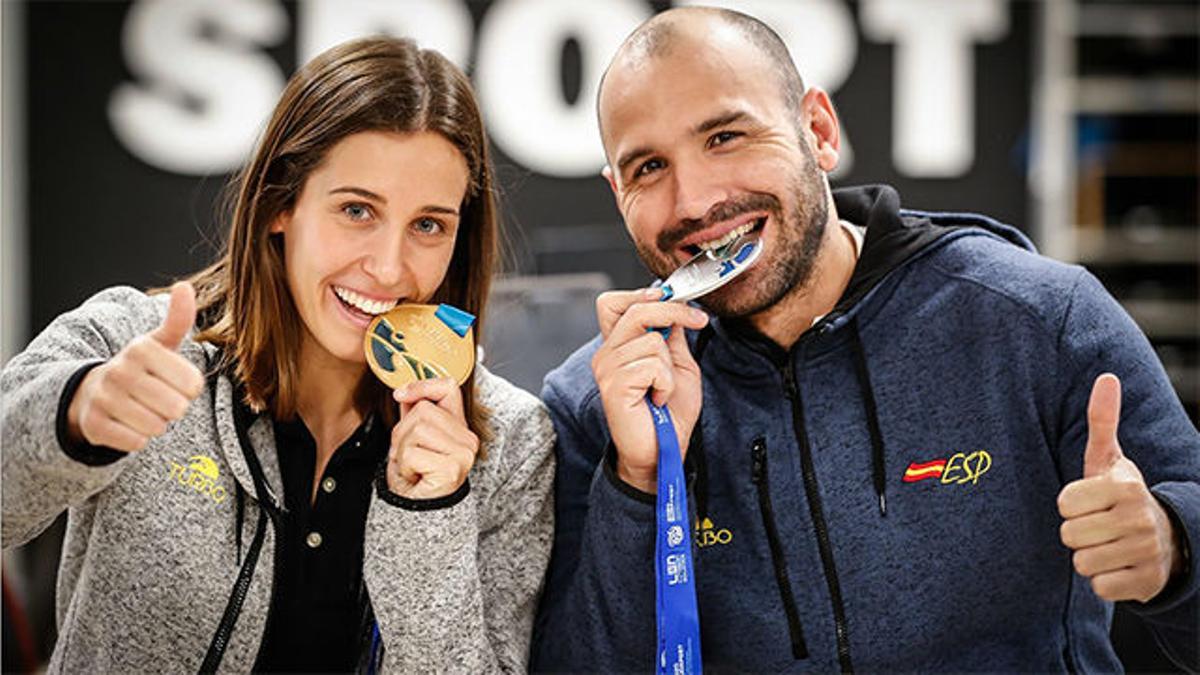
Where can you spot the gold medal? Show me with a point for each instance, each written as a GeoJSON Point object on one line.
{"type": "Point", "coordinates": [421, 342]}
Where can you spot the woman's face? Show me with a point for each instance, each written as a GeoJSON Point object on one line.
{"type": "Point", "coordinates": [373, 226]}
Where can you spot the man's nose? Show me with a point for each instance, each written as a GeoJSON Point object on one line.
{"type": "Point", "coordinates": [697, 190]}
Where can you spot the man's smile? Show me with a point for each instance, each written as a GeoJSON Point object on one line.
{"type": "Point", "coordinates": [723, 233]}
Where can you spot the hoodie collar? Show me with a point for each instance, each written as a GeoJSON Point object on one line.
{"type": "Point", "coordinates": [244, 437]}
{"type": "Point", "coordinates": [891, 238]}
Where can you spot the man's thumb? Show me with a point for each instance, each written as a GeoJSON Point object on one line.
{"type": "Point", "coordinates": [1104, 412]}
{"type": "Point", "coordinates": [181, 316]}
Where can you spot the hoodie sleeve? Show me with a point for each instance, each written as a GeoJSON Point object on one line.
{"type": "Point", "coordinates": [598, 612]}
{"type": "Point", "coordinates": [1097, 336]}
{"type": "Point", "coordinates": [44, 473]}
{"type": "Point", "coordinates": [454, 585]}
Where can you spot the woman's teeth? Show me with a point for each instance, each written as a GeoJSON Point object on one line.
{"type": "Point", "coordinates": [729, 237]}
{"type": "Point", "coordinates": [364, 305]}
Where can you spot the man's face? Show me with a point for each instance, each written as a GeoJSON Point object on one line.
{"type": "Point", "coordinates": [702, 147]}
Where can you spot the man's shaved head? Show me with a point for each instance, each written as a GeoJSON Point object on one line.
{"type": "Point", "coordinates": [665, 31]}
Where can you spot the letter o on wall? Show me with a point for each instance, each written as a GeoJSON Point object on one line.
{"type": "Point", "coordinates": [517, 78]}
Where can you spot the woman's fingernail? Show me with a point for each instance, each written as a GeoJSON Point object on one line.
{"type": "Point", "coordinates": [652, 293]}
{"type": "Point", "coordinates": [699, 314]}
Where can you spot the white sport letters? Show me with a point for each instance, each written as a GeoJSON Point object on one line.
{"type": "Point", "coordinates": [204, 84]}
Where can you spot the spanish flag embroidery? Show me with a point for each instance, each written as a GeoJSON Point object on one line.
{"type": "Point", "coordinates": [921, 471]}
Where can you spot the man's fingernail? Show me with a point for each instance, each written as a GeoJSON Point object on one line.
{"type": "Point", "coordinates": [401, 392]}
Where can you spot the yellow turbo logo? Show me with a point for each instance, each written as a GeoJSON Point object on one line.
{"type": "Point", "coordinates": [200, 474]}
{"type": "Point", "coordinates": [708, 535]}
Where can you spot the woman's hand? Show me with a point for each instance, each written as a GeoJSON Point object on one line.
{"type": "Point", "coordinates": [130, 399]}
{"type": "Point", "coordinates": [432, 448]}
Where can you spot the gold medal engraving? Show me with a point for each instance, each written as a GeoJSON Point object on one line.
{"type": "Point", "coordinates": [421, 342]}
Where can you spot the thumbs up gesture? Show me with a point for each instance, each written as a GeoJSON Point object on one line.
{"type": "Point", "coordinates": [128, 400]}
{"type": "Point", "coordinates": [1123, 540]}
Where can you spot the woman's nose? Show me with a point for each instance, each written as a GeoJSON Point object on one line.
{"type": "Point", "coordinates": [383, 259]}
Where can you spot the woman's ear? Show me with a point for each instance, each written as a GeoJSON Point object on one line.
{"type": "Point", "coordinates": [279, 224]}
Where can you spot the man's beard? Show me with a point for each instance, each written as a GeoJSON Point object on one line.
{"type": "Point", "coordinates": [786, 266]}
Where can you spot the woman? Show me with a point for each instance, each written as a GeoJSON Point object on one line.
{"type": "Point", "coordinates": [242, 492]}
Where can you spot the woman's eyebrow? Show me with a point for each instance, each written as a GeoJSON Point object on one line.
{"type": "Point", "coordinates": [367, 194]}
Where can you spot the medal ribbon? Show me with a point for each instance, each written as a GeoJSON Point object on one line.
{"type": "Point", "coordinates": [675, 584]}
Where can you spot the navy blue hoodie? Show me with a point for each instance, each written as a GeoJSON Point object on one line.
{"type": "Point", "coordinates": [882, 496]}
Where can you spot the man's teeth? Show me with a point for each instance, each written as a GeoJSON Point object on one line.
{"type": "Point", "coordinates": [728, 238]}
{"type": "Point", "coordinates": [366, 305]}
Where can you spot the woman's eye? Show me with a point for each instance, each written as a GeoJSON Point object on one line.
{"type": "Point", "coordinates": [428, 226]}
{"type": "Point", "coordinates": [357, 212]}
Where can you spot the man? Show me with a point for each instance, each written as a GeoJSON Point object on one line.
{"type": "Point", "coordinates": [900, 454]}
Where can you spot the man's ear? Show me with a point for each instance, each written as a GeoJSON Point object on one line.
{"type": "Point", "coordinates": [822, 129]}
{"type": "Point", "coordinates": [607, 172]}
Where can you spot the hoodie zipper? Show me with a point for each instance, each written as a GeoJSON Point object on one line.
{"type": "Point", "coordinates": [758, 455]}
{"type": "Point", "coordinates": [812, 492]}
{"type": "Point", "coordinates": [233, 608]}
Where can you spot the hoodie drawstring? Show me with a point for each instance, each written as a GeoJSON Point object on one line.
{"type": "Point", "coordinates": [696, 464]}
{"type": "Point", "coordinates": [241, 514]}
{"type": "Point", "coordinates": [864, 381]}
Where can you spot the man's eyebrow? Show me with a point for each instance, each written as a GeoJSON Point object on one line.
{"type": "Point", "coordinates": [366, 194]}
{"type": "Point", "coordinates": [721, 120]}
{"type": "Point", "coordinates": [701, 128]}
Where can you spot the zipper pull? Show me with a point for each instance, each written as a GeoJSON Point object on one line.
{"type": "Point", "coordinates": [758, 460]}
{"type": "Point", "coordinates": [275, 501]}
{"type": "Point", "coordinates": [789, 382]}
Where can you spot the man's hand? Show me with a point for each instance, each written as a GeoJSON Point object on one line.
{"type": "Point", "coordinates": [432, 448]}
{"type": "Point", "coordinates": [1123, 539]}
{"type": "Point", "coordinates": [125, 402]}
{"type": "Point", "coordinates": [633, 362]}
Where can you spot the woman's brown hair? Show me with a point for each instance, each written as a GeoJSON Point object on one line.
{"type": "Point", "coordinates": [375, 84]}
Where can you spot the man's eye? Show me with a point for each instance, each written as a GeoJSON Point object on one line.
{"type": "Point", "coordinates": [357, 212]}
{"type": "Point", "coordinates": [722, 137]}
{"type": "Point", "coordinates": [647, 167]}
{"type": "Point", "coordinates": [428, 226]}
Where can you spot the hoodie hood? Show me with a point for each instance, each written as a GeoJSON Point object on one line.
{"type": "Point", "coordinates": [895, 235]}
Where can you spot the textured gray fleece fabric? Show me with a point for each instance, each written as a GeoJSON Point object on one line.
{"type": "Point", "coordinates": [150, 554]}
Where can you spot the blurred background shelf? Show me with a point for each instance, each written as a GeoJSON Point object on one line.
{"type": "Point", "coordinates": [1150, 20]}
{"type": "Point", "coordinates": [1122, 85]}
{"type": "Point", "coordinates": [1160, 245]}
{"type": "Point", "coordinates": [1165, 319]}
{"type": "Point", "coordinates": [1098, 94]}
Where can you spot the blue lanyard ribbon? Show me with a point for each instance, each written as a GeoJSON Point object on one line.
{"type": "Point", "coordinates": [374, 653]}
{"type": "Point", "coordinates": [675, 583]}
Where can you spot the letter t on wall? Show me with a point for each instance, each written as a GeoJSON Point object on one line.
{"type": "Point", "coordinates": [933, 131]}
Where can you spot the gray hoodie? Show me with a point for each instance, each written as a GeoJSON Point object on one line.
{"type": "Point", "coordinates": [156, 540]}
